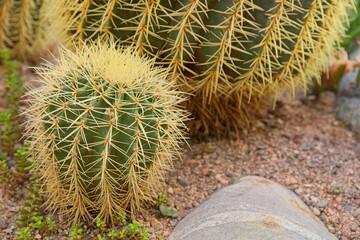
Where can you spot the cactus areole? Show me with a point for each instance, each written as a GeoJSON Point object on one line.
{"type": "Point", "coordinates": [105, 126]}
{"type": "Point", "coordinates": [229, 53]}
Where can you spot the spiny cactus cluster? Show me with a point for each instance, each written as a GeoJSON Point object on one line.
{"type": "Point", "coordinates": [105, 125]}
{"type": "Point", "coordinates": [230, 54]}
{"type": "Point", "coordinates": [30, 27]}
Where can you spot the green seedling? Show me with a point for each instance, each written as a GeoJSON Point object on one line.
{"type": "Point", "coordinates": [77, 232]}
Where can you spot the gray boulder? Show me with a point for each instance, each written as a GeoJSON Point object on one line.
{"type": "Point", "coordinates": [348, 101]}
{"type": "Point", "coordinates": [254, 208]}
{"type": "Point", "coordinates": [348, 111]}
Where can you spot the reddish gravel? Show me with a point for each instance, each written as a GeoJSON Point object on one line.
{"type": "Point", "coordinates": [299, 145]}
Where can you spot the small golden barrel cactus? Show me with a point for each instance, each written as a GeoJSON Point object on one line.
{"type": "Point", "coordinates": [230, 54]}
{"type": "Point", "coordinates": [31, 27]}
{"type": "Point", "coordinates": [104, 126]}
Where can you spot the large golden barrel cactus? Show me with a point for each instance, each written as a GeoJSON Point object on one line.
{"type": "Point", "coordinates": [31, 27]}
{"type": "Point", "coordinates": [229, 54]}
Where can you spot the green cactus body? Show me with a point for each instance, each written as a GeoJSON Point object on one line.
{"type": "Point", "coordinates": [30, 27]}
{"type": "Point", "coordinates": [105, 127]}
{"type": "Point", "coordinates": [134, 23]}
{"type": "Point", "coordinates": [231, 54]}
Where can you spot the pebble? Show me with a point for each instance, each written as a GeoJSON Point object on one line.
{"type": "Point", "coordinates": [37, 236]}
{"type": "Point", "coordinates": [170, 190]}
{"type": "Point", "coordinates": [338, 164]}
{"type": "Point", "coordinates": [204, 171]}
{"type": "Point", "coordinates": [314, 199]}
{"type": "Point", "coordinates": [166, 233]}
{"type": "Point", "coordinates": [323, 217]}
{"type": "Point", "coordinates": [195, 204]}
{"type": "Point", "coordinates": [299, 191]}
{"type": "Point", "coordinates": [338, 199]}
{"type": "Point", "coordinates": [356, 213]}
{"type": "Point", "coordinates": [183, 182]}
{"type": "Point", "coordinates": [322, 203]}
{"type": "Point", "coordinates": [347, 208]}
{"type": "Point", "coordinates": [331, 229]}
{"type": "Point", "coordinates": [290, 181]}
{"type": "Point", "coordinates": [223, 181]}
{"type": "Point", "coordinates": [10, 229]}
{"type": "Point", "coordinates": [156, 224]}
{"type": "Point", "coordinates": [316, 211]}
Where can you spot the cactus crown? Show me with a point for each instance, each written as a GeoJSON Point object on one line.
{"type": "Point", "coordinates": [105, 125]}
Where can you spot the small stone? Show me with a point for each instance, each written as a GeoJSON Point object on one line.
{"type": "Point", "coordinates": [347, 208]}
{"type": "Point", "coordinates": [338, 164]}
{"type": "Point", "coordinates": [290, 181]}
{"type": "Point", "coordinates": [156, 224]}
{"type": "Point", "coordinates": [338, 199]}
{"type": "Point", "coordinates": [170, 190]}
{"type": "Point", "coordinates": [307, 185]}
{"type": "Point", "coordinates": [37, 236]}
{"type": "Point", "coordinates": [10, 229]}
{"type": "Point", "coordinates": [299, 191]}
{"type": "Point", "coordinates": [296, 152]}
{"type": "Point", "coordinates": [316, 212]}
{"type": "Point", "coordinates": [356, 213]}
{"type": "Point", "coordinates": [195, 204]}
{"type": "Point", "coordinates": [183, 182]}
{"type": "Point", "coordinates": [331, 229]}
{"type": "Point", "coordinates": [322, 203]}
{"type": "Point", "coordinates": [204, 171]}
{"type": "Point", "coordinates": [323, 217]}
{"type": "Point", "coordinates": [221, 179]}
{"type": "Point", "coordinates": [166, 233]}
{"type": "Point", "coordinates": [314, 199]}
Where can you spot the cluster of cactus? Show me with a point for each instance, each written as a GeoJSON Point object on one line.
{"type": "Point", "coordinates": [31, 27]}
{"type": "Point", "coordinates": [231, 55]}
{"type": "Point", "coordinates": [106, 122]}
{"type": "Point", "coordinates": [104, 125]}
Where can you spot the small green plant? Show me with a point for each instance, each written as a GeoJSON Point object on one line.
{"type": "Point", "coordinates": [23, 162]}
{"type": "Point", "coordinates": [14, 87]}
{"type": "Point", "coordinates": [7, 134]}
{"type": "Point", "coordinates": [77, 232]}
{"type": "Point", "coordinates": [138, 230]}
{"type": "Point", "coordinates": [120, 217]}
{"type": "Point", "coordinates": [165, 206]}
{"type": "Point", "coordinates": [31, 211]}
{"type": "Point", "coordinates": [99, 237]}
{"type": "Point", "coordinates": [113, 234]}
{"type": "Point", "coordinates": [4, 169]}
{"type": "Point", "coordinates": [163, 199]}
{"type": "Point", "coordinates": [100, 224]}
{"type": "Point", "coordinates": [24, 234]}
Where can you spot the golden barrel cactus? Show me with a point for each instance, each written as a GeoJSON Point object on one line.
{"type": "Point", "coordinates": [31, 27]}
{"type": "Point", "coordinates": [230, 54]}
{"type": "Point", "coordinates": [104, 125]}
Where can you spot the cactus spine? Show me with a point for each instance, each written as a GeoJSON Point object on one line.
{"type": "Point", "coordinates": [30, 27]}
{"type": "Point", "coordinates": [231, 54]}
{"type": "Point", "coordinates": [105, 126]}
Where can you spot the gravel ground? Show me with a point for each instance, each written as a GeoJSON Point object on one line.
{"type": "Point", "coordinates": [299, 145]}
